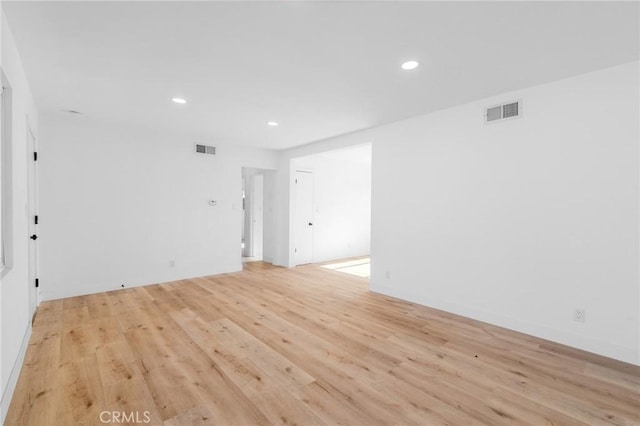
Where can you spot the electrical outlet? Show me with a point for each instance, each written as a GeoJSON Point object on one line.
{"type": "Point", "coordinates": [172, 263]}
{"type": "Point", "coordinates": [387, 275]}
{"type": "Point", "coordinates": [579, 315]}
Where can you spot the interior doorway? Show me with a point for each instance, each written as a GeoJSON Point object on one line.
{"type": "Point", "coordinates": [257, 214]}
{"type": "Point", "coordinates": [330, 206]}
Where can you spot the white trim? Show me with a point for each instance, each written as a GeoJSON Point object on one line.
{"type": "Point", "coordinates": [6, 176]}
{"type": "Point", "coordinates": [7, 393]}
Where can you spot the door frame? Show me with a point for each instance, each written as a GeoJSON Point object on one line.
{"type": "Point", "coordinates": [256, 216]}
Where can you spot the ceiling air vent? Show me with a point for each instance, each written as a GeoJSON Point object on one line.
{"type": "Point", "coordinates": [503, 111]}
{"type": "Point", "coordinates": [205, 149]}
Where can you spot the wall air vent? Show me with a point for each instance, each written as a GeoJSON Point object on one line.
{"type": "Point", "coordinates": [205, 149]}
{"type": "Point", "coordinates": [503, 111]}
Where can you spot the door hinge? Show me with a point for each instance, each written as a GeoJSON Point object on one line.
{"type": "Point", "coordinates": [35, 156]}
{"type": "Point", "coordinates": [296, 180]}
{"type": "Point", "coordinates": [295, 250]}
{"type": "Point", "coordinates": [37, 283]}
{"type": "Point", "coordinates": [35, 219]}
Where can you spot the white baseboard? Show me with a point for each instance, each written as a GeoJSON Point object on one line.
{"type": "Point", "coordinates": [51, 291]}
{"type": "Point", "coordinates": [7, 394]}
{"type": "Point", "coordinates": [606, 349]}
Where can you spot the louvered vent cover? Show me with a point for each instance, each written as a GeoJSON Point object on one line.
{"type": "Point", "coordinates": [205, 149]}
{"type": "Point", "coordinates": [510, 110]}
{"type": "Point", "coordinates": [503, 111]}
{"type": "Point", "coordinates": [494, 113]}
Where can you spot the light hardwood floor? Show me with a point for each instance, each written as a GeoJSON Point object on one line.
{"type": "Point", "coordinates": [304, 346]}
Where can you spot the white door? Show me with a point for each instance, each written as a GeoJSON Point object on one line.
{"type": "Point", "coordinates": [303, 218]}
{"type": "Point", "coordinates": [257, 226]}
{"type": "Point", "coordinates": [34, 293]}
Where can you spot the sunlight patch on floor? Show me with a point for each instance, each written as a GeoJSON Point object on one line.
{"type": "Point", "coordinates": [357, 267]}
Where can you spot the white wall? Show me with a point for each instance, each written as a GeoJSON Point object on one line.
{"type": "Point", "coordinates": [518, 223]}
{"type": "Point", "coordinates": [15, 314]}
{"type": "Point", "coordinates": [514, 223]}
{"type": "Point", "coordinates": [342, 202]}
{"type": "Point", "coordinates": [119, 204]}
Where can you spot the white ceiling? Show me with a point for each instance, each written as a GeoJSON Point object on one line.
{"type": "Point", "coordinates": [318, 68]}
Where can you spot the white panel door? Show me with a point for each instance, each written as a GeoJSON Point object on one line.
{"type": "Point", "coordinates": [303, 218]}
{"type": "Point", "coordinates": [33, 221]}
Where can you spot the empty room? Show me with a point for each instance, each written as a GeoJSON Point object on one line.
{"type": "Point", "coordinates": [319, 213]}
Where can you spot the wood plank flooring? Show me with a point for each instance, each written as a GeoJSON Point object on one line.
{"type": "Point", "coordinates": [301, 346]}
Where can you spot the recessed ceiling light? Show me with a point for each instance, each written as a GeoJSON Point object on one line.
{"type": "Point", "coordinates": [272, 123]}
{"type": "Point", "coordinates": [179, 100]}
{"type": "Point", "coordinates": [410, 65]}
